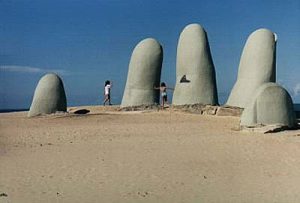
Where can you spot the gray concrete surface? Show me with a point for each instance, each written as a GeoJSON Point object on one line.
{"type": "Point", "coordinates": [143, 74]}
{"type": "Point", "coordinates": [271, 104]}
{"type": "Point", "coordinates": [195, 71]}
{"type": "Point", "coordinates": [49, 96]}
{"type": "Point", "coordinates": [257, 66]}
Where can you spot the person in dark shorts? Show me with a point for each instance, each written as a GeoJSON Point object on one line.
{"type": "Point", "coordinates": [163, 93]}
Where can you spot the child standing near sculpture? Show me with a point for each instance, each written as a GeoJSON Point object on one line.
{"type": "Point", "coordinates": [107, 87]}
{"type": "Point", "coordinates": [163, 92]}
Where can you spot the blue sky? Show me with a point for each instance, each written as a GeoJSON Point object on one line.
{"type": "Point", "coordinates": [87, 42]}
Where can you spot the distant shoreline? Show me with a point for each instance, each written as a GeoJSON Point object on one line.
{"type": "Point", "coordinates": [12, 110]}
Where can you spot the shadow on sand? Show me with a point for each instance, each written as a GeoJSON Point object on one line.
{"type": "Point", "coordinates": [82, 111]}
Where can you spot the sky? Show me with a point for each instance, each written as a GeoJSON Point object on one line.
{"type": "Point", "coordinates": [89, 41]}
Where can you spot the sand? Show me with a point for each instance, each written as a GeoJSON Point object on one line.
{"type": "Point", "coordinates": [151, 156]}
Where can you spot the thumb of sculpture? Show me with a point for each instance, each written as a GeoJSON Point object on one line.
{"type": "Point", "coordinates": [49, 96]}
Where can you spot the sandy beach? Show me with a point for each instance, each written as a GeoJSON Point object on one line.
{"type": "Point", "coordinates": [144, 156]}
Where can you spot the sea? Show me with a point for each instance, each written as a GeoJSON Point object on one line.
{"type": "Point", "coordinates": [12, 110]}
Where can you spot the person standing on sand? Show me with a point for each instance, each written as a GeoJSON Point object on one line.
{"type": "Point", "coordinates": [107, 88]}
{"type": "Point", "coordinates": [163, 92]}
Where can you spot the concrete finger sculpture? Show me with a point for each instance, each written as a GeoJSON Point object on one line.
{"type": "Point", "coordinates": [257, 66]}
{"type": "Point", "coordinates": [270, 104]}
{"type": "Point", "coordinates": [195, 71]}
{"type": "Point", "coordinates": [143, 74]}
{"type": "Point", "coordinates": [49, 96]}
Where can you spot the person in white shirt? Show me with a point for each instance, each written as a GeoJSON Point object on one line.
{"type": "Point", "coordinates": [107, 88]}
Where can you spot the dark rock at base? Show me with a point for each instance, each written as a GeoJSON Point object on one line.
{"type": "Point", "coordinates": [210, 110]}
{"type": "Point", "coordinates": [141, 107]}
{"type": "Point", "coordinates": [191, 108]}
{"type": "Point", "coordinates": [197, 108]}
{"type": "Point", "coordinates": [229, 111]}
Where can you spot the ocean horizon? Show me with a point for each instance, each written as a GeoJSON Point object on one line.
{"type": "Point", "coordinates": [12, 110]}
